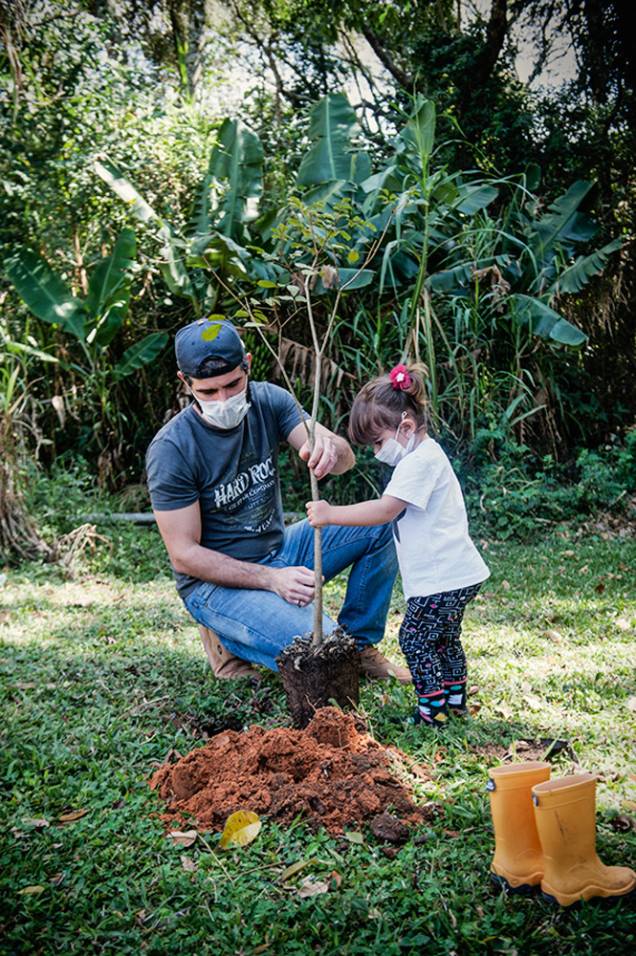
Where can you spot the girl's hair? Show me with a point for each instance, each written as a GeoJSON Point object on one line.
{"type": "Point", "coordinates": [379, 405]}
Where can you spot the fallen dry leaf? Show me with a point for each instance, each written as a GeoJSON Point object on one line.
{"type": "Point", "coordinates": [188, 863]}
{"type": "Point", "coordinates": [183, 837]}
{"type": "Point", "coordinates": [568, 554]}
{"type": "Point", "coordinates": [312, 887]}
{"type": "Point", "coordinates": [241, 828]}
{"type": "Point", "coordinates": [599, 588]}
{"type": "Point", "coordinates": [585, 569]}
{"type": "Point", "coordinates": [337, 878]}
{"type": "Point", "coordinates": [555, 636]}
{"type": "Point", "coordinates": [505, 585]}
{"type": "Point", "coordinates": [37, 822]}
{"type": "Point", "coordinates": [31, 890]}
{"type": "Point", "coordinates": [72, 815]}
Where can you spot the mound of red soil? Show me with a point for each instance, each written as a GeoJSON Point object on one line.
{"type": "Point", "coordinates": [331, 772]}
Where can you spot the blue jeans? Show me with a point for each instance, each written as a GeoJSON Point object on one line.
{"type": "Point", "coordinates": [256, 625]}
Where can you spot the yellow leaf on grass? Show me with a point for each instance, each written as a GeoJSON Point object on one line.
{"type": "Point", "coordinates": [241, 827]}
{"type": "Point", "coordinates": [31, 890]}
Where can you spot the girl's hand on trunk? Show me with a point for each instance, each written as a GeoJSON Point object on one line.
{"type": "Point", "coordinates": [318, 513]}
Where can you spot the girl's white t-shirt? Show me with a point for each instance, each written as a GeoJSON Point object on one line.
{"type": "Point", "coordinates": [434, 549]}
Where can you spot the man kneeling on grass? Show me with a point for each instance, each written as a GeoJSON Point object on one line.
{"type": "Point", "coordinates": [215, 491]}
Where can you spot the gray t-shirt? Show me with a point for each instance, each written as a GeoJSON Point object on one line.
{"type": "Point", "coordinates": [232, 473]}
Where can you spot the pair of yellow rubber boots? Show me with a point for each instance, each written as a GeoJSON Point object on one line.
{"type": "Point", "coordinates": [545, 833]}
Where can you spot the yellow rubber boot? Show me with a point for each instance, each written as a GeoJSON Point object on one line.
{"type": "Point", "coordinates": [518, 861]}
{"type": "Point", "coordinates": [565, 811]}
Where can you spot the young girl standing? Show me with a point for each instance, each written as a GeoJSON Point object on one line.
{"type": "Point", "coordinates": [441, 568]}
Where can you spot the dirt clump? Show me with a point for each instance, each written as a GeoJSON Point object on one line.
{"type": "Point", "coordinates": [332, 772]}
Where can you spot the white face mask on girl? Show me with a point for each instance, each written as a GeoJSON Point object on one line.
{"type": "Point", "coordinates": [227, 414]}
{"type": "Point", "coordinates": [392, 451]}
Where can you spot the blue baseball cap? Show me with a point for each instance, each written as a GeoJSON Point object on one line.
{"type": "Point", "coordinates": [214, 342]}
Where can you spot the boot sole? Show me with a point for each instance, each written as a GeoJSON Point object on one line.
{"type": "Point", "coordinates": [524, 889]}
{"type": "Point", "coordinates": [587, 893]}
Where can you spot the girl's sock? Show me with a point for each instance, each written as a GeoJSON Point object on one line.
{"type": "Point", "coordinates": [455, 692]}
{"type": "Point", "coordinates": [431, 708]}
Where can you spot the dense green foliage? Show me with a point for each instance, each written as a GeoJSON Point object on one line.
{"type": "Point", "coordinates": [475, 222]}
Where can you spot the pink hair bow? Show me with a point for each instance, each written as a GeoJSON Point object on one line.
{"type": "Point", "coordinates": [400, 378]}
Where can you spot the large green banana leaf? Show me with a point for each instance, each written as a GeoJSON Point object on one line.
{"type": "Point", "coordinates": [238, 158]}
{"type": "Point", "coordinates": [113, 177]}
{"type": "Point", "coordinates": [112, 319]}
{"type": "Point", "coordinates": [173, 269]}
{"type": "Point", "coordinates": [110, 274]}
{"type": "Point", "coordinates": [333, 121]}
{"type": "Point", "coordinates": [544, 321]}
{"type": "Point", "coordinates": [473, 198]}
{"type": "Point", "coordinates": [46, 295]}
{"type": "Point", "coordinates": [420, 131]}
{"type": "Point", "coordinates": [576, 276]}
{"type": "Point", "coordinates": [561, 220]}
{"type": "Point", "coordinates": [140, 354]}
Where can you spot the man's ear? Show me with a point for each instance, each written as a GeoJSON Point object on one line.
{"type": "Point", "coordinates": [248, 359]}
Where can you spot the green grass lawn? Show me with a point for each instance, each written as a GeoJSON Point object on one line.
{"type": "Point", "coordinates": [103, 675]}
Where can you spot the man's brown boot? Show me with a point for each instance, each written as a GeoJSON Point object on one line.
{"type": "Point", "coordinates": [225, 666]}
{"type": "Point", "coordinates": [376, 667]}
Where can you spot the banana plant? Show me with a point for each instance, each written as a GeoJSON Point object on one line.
{"type": "Point", "coordinates": [91, 323]}
{"type": "Point", "coordinates": [536, 257]}
{"type": "Point", "coordinates": [225, 205]}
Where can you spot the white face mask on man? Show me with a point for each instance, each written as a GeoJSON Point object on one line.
{"type": "Point", "coordinates": [392, 451]}
{"type": "Point", "coordinates": [227, 414]}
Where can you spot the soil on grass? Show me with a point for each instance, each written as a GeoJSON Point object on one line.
{"type": "Point", "coordinates": [332, 772]}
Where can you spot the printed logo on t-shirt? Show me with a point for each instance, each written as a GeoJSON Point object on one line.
{"type": "Point", "coordinates": [248, 500]}
{"type": "Point", "coordinates": [254, 475]}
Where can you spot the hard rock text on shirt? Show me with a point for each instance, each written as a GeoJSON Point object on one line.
{"type": "Point", "coordinates": [256, 474]}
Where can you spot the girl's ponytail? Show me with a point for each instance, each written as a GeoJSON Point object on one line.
{"type": "Point", "coordinates": [381, 403]}
{"type": "Point", "coordinates": [417, 389]}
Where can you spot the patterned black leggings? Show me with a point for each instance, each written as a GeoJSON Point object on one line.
{"type": "Point", "coordinates": [429, 638]}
